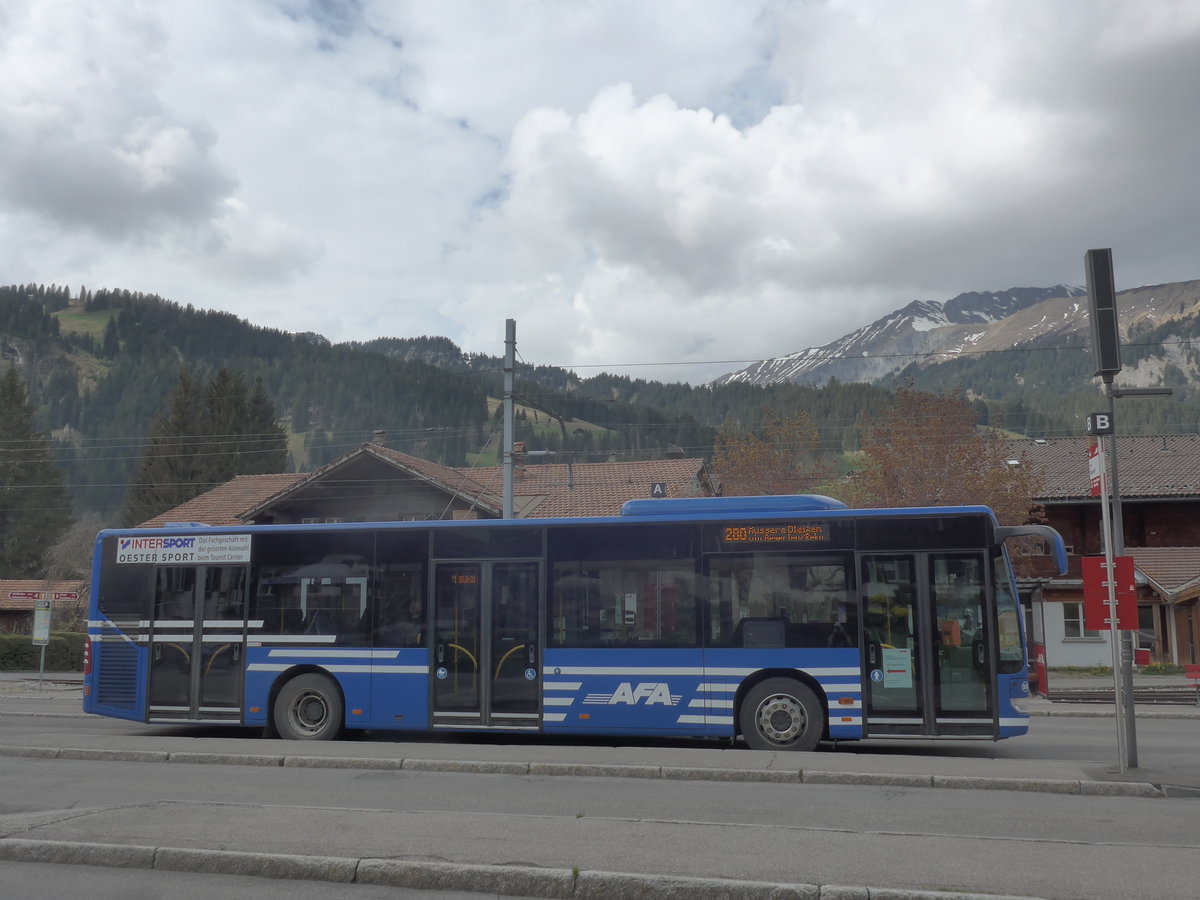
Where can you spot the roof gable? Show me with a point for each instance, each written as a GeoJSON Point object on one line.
{"type": "Point", "coordinates": [545, 491]}
{"type": "Point", "coordinates": [444, 478]}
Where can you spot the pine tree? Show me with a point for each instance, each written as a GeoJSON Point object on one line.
{"type": "Point", "coordinates": [208, 433]}
{"type": "Point", "coordinates": [34, 507]}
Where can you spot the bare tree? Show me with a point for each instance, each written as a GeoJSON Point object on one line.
{"type": "Point", "coordinates": [929, 452]}
{"type": "Point", "coordinates": [783, 457]}
{"type": "Point", "coordinates": [70, 559]}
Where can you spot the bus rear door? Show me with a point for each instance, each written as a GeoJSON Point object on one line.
{"type": "Point", "coordinates": [197, 644]}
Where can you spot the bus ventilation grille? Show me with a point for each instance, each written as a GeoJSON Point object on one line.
{"type": "Point", "coordinates": [116, 683]}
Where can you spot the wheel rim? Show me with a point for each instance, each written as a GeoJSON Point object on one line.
{"type": "Point", "coordinates": [309, 712]}
{"type": "Point", "coordinates": [781, 719]}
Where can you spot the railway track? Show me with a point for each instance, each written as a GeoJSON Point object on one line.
{"type": "Point", "coordinates": [1188, 696]}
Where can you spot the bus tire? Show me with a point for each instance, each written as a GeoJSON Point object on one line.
{"type": "Point", "coordinates": [309, 708]}
{"type": "Point", "coordinates": [781, 714]}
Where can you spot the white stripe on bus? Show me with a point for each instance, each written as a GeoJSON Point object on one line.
{"type": "Point", "coordinates": [705, 671]}
{"type": "Point", "coordinates": [370, 668]}
{"type": "Point", "coordinates": [344, 654]}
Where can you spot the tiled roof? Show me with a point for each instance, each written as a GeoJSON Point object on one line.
{"type": "Point", "coordinates": [24, 588]}
{"type": "Point", "coordinates": [1147, 466]}
{"type": "Point", "coordinates": [226, 504]}
{"type": "Point", "coordinates": [555, 490]}
{"type": "Point", "coordinates": [594, 489]}
{"type": "Point", "coordinates": [434, 473]}
{"type": "Point", "coordinates": [1174, 571]}
{"type": "Point", "coordinates": [464, 482]}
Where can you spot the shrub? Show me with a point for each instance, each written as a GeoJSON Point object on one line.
{"type": "Point", "coordinates": [64, 653]}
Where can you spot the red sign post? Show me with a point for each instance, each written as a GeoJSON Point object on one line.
{"type": "Point", "coordinates": [1095, 594]}
{"type": "Point", "coordinates": [1094, 470]}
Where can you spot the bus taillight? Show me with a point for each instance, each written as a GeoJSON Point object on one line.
{"type": "Point", "coordinates": [87, 657]}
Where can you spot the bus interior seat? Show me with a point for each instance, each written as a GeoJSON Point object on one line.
{"type": "Point", "coordinates": [757, 631]}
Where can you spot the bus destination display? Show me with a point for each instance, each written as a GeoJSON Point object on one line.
{"type": "Point", "coordinates": [781, 533]}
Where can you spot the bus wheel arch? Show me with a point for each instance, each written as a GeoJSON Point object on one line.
{"type": "Point", "coordinates": [782, 710]}
{"type": "Point", "coordinates": [308, 706]}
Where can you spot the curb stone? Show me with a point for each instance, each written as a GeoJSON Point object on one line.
{"type": "Point", "coordinates": [589, 770]}
{"type": "Point", "coordinates": [509, 881]}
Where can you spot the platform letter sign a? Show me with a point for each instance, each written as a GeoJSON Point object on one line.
{"type": "Point", "coordinates": [1099, 423]}
{"type": "Point", "coordinates": [658, 489]}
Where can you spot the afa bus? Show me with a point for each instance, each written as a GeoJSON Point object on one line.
{"type": "Point", "coordinates": [785, 621]}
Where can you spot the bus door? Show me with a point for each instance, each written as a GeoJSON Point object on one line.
{"type": "Point", "coordinates": [485, 657]}
{"type": "Point", "coordinates": [964, 675]}
{"type": "Point", "coordinates": [894, 656]}
{"type": "Point", "coordinates": [926, 652]}
{"type": "Point", "coordinates": [197, 644]}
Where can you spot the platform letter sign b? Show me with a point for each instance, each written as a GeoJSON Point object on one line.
{"type": "Point", "coordinates": [1099, 423]}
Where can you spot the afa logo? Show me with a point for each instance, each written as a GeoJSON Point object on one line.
{"type": "Point", "coordinates": [646, 693]}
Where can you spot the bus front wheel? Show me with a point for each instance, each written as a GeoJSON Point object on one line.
{"type": "Point", "coordinates": [781, 714]}
{"type": "Point", "coordinates": [309, 708]}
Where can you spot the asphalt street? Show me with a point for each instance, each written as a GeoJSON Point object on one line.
{"type": "Point", "coordinates": [21, 701]}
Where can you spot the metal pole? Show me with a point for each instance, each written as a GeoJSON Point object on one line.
{"type": "Point", "coordinates": [1126, 637]}
{"type": "Point", "coordinates": [510, 364]}
{"type": "Point", "coordinates": [1110, 579]}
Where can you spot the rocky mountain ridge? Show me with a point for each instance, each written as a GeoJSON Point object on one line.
{"type": "Point", "coordinates": [930, 332]}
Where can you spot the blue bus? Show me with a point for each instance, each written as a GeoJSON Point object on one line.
{"type": "Point", "coordinates": [785, 621]}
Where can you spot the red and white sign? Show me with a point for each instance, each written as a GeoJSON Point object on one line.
{"type": "Point", "coordinates": [26, 595]}
{"type": "Point", "coordinates": [1095, 594]}
{"type": "Point", "coordinates": [66, 596]}
{"type": "Point", "coordinates": [1094, 470]}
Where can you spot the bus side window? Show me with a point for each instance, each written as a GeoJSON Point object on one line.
{"type": "Point", "coordinates": [807, 594]}
{"type": "Point", "coordinates": [399, 608]}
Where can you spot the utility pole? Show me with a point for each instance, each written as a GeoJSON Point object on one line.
{"type": "Point", "coordinates": [1106, 354]}
{"type": "Point", "coordinates": [1118, 545]}
{"type": "Point", "coordinates": [510, 364]}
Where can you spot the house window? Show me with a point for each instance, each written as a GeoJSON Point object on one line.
{"type": "Point", "coordinates": [1073, 629]}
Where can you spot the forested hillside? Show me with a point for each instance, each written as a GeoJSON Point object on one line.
{"type": "Point", "coordinates": [99, 366]}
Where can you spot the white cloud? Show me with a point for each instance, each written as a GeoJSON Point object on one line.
{"type": "Point", "coordinates": [659, 182]}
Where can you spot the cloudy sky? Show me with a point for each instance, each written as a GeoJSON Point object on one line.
{"type": "Point", "coordinates": [685, 183]}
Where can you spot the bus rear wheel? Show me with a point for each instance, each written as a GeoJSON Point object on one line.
{"type": "Point", "coordinates": [309, 708]}
{"type": "Point", "coordinates": [781, 714]}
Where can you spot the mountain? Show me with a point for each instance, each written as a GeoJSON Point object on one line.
{"type": "Point", "coordinates": [926, 334]}
{"type": "Point", "coordinates": [98, 366]}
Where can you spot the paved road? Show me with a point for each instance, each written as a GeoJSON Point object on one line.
{"type": "Point", "coordinates": [998, 821]}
